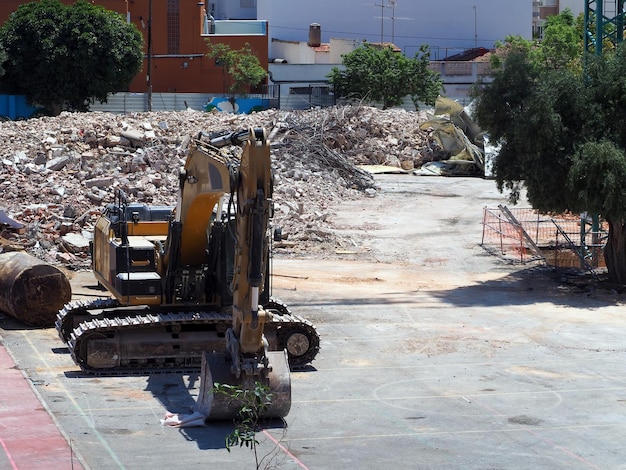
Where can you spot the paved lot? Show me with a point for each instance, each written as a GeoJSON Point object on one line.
{"type": "Point", "coordinates": [434, 355]}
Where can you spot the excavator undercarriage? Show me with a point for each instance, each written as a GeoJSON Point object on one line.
{"type": "Point", "coordinates": [106, 338]}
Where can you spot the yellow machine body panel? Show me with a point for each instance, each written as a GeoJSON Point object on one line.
{"type": "Point", "coordinates": [102, 265]}
{"type": "Point", "coordinates": [156, 230]}
{"type": "Point", "coordinates": [106, 265]}
{"type": "Point", "coordinates": [195, 230]}
{"type": "Point", "coordinates": [207, 178]}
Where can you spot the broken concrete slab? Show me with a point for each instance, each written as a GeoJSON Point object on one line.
{"type": "Point", "coordinates": [57, 163]}
{"type": "Point", "coordinates": [9, 222]}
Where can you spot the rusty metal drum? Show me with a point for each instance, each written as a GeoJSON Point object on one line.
{"type": "Point", "coordinates": [32, 290]}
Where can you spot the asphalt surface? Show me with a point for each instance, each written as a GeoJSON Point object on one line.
{"type": "Point", "coordinates": [435, 355]}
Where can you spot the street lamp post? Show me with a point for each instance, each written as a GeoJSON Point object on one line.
{"type": "Point", "coordinates": [475, 28]}
{"type": "Point", "coordinates": [392, 3]}
{"type": "Point", "coordinates": [149, 73]}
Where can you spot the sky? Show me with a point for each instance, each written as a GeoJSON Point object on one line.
{"type": "Point", "coordinates": [447, 26]}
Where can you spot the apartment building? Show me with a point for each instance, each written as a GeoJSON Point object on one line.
{"type": "Point", "coordinates": [174, 35]}
{"type": "Point", "coordinates": [544, 8]}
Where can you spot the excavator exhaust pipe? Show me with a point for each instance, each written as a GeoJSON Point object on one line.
{"type": "Point", "coordinates": [217, 369]}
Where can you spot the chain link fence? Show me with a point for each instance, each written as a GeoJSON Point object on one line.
{"type": "Point", "coordinates": [524, 235]}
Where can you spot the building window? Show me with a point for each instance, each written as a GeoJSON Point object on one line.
{"type": "Point", "coordinates": [173, 27]}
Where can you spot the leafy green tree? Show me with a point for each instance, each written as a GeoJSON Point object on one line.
{"type": "Point", "coordinates": [424, 84]}
{"type": "Point", "coordinates": [561, 45]}
{"type": "Point", "coordinates": [3, 58]}
{"type": "Point", "coordinates": [385, 76]}
{"type": "Point", "coordinates": [67, 56]}
{"type": "Point", "coordinates": [563, 137]}
{"type": "Point", "coordinates": [242, 69]}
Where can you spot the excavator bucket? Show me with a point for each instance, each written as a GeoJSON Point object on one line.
{"type": "Point", "coordinates": [216, 369]}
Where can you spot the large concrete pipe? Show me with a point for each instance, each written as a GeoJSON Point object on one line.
{"type": "Point", "coordinates": [32, 290]}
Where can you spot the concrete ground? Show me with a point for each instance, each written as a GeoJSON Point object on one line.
{"type": "Point", "coordinates": [434, 355]}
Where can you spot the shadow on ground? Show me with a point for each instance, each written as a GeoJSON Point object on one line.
{"type": "Point", "coordinates": [538, 284]}
{"type": "Point", "coordinates": [177, 393]}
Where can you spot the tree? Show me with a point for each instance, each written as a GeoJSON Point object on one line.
{"type": "Point", "coordinates": [424, 84]}
{"type": "Point", "coordinates": [563, 135]}
{"type": "Point", "coordinates": [3, 58]}
{"type": "Point", "coordinates": [385, 76]}
{"type": "Point", "coordinates": [242, 68]}
{"type": "Point", "coordinates": [67, 56]}
{"type": "Point", "coordinates": [561, 45]}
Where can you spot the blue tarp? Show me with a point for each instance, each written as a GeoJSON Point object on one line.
{"type": "Point", "coordinates": [16, 107]}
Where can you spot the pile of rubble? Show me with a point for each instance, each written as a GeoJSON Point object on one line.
{"type": "Point", "coordinates": [57, 174]}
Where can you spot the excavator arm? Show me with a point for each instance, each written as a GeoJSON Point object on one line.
{"type": "Point", "coordinates": [249, 361]}
{"type": "Point", "coordinates": [253, 189]}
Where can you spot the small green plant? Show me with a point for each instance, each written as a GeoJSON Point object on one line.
{"type": "Point", "coordinates": [252, 403]}
{"type": "Point", "coordinates": [241, 67]}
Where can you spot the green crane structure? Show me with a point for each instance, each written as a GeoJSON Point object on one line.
{"type": "Point", "coordinates": [604, 23]}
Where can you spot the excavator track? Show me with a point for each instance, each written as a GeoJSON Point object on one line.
{"type": "Point", "coordinates": [105, 338]}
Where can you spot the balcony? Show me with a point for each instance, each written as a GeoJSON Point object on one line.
{"type": "Point", "coordinates": [213, 27]}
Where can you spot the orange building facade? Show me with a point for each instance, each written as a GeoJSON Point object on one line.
{"type": "Point", "coordinates": [175, 50]}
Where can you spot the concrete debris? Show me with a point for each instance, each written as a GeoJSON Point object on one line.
{"type": "Point", "coordinates": [57, 174]}
{"type": "Point", "coordinates": [8, 222]}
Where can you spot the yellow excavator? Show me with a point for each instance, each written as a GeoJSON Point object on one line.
{"type": "Point", "coordinates": [190, 285]}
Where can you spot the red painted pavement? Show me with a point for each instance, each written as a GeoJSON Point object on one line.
{"type": "Point", "coordinates": [29, 438]}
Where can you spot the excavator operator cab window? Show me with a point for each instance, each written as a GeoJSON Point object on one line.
{"type": "Point", "coordinates": [215, 178]}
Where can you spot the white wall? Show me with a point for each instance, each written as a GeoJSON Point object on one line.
{"type": "Point", "coordinates": [304, 73]}
{"type": "Point", "coordinates": [299, 52]}
{"type": "Point", "coordinates": [234, 10]}
{"type": "Point", "coordinates": [339, 47]}
{"type": "Point", "coordinates": [293, 52]}
{"type": "Point", "coordinates": [448, 26]}
{"type": "Point", "coordinates": [577, 6]}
